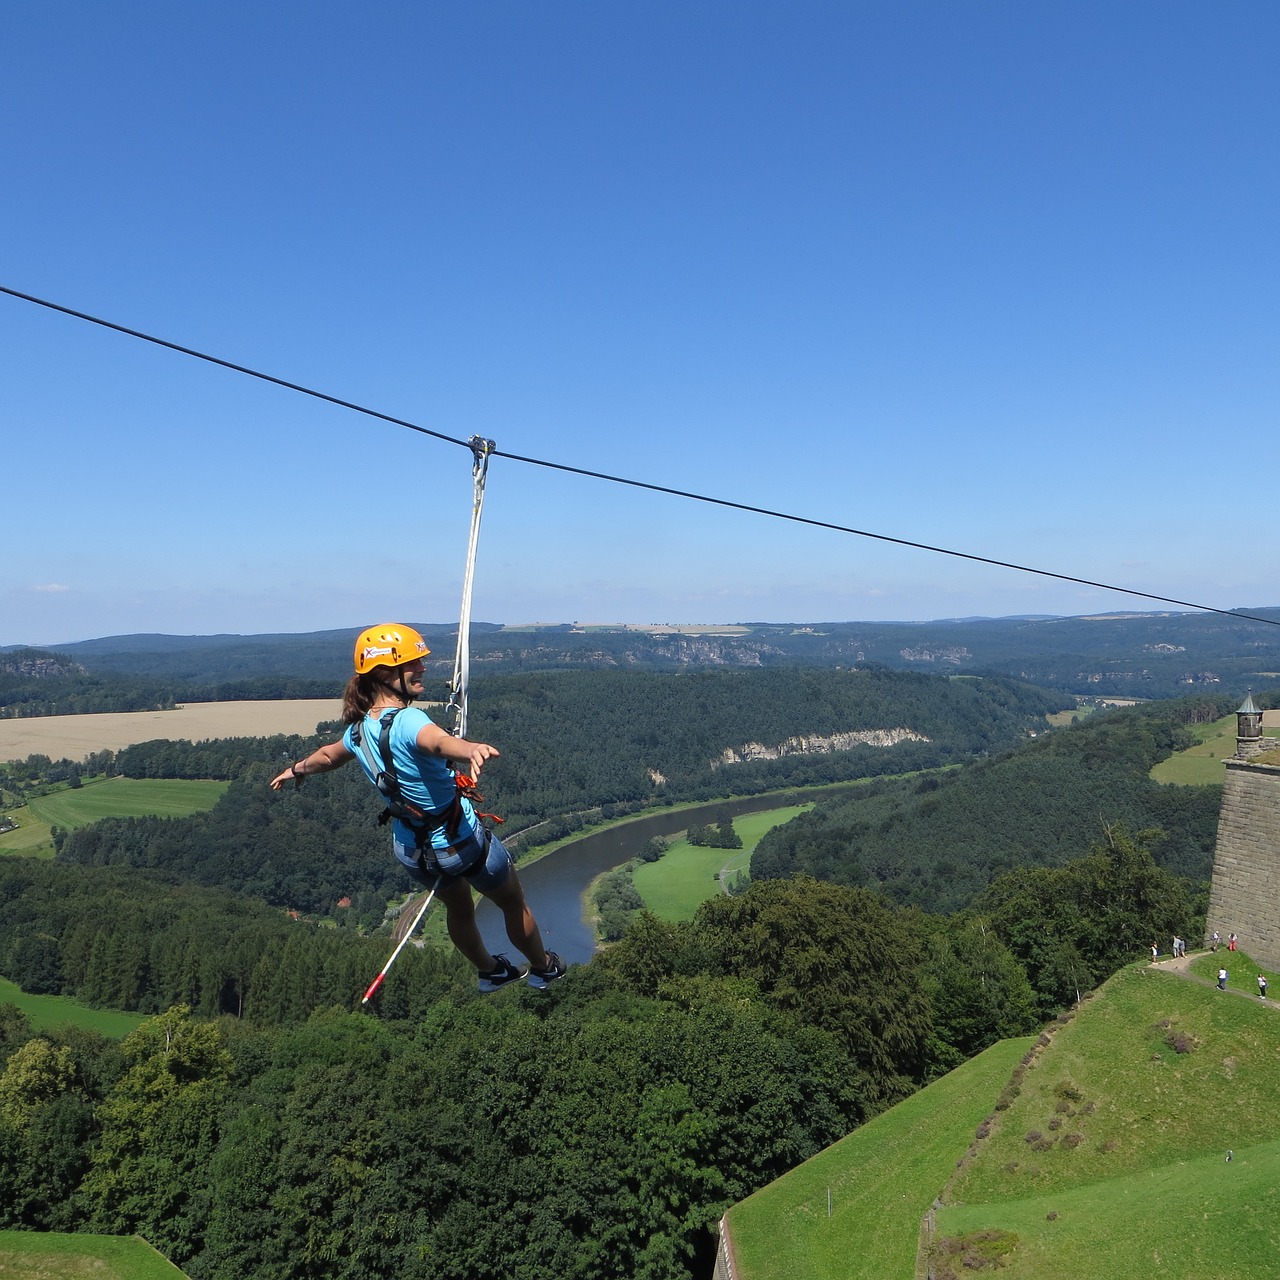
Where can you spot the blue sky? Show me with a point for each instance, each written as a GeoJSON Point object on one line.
{"type": "Point", "coordinates": [997, 276]}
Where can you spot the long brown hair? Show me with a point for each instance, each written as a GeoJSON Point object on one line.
{"type": "Point", "coordinates": [358, 696]}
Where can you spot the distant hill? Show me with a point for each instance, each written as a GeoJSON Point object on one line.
{"type": "Point", "coordinates": [1139, 655]}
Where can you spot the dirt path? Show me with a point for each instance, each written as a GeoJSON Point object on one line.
{"type": "Point", "coordinates": [1181, 965]}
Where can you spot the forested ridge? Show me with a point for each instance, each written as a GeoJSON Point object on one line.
{"type": "Point", "coordinates": [592, 1132]}
{"type": "Point", "coordinates": [938, 841]}
{"type": "Point", "coordinates": [1144, 655]}
{"type": "Point", "coordinates": [570, 741]}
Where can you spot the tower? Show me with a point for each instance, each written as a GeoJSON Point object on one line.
{"type": "Point", "coordinates": [1249, 739]}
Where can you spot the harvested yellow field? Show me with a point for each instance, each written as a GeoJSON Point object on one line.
{"type": "Point", "coordinates": [74, 737]}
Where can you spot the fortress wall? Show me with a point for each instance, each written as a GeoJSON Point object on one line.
{"type": "Point", "coordinates": [1245, 893]}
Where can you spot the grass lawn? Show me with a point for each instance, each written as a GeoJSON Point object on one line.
{"type": "Point", "coordinates": [687, 875]}
{"type": "Point", "coordinates": [48, 1012]}
{"type": "Point", "coordinates": [1201, 1217]}
{"type": "Point", "coordinates": [1133, 1134]}
{"type": "Point", "coordinates": [882, 1178]}
{"type": "Point", "coordinates": [1142, 1105]}
{"type": "Point", "coordinates": [50, 1255]}
{"type": "Point", "coordinates": [1215, 742]}
{"type": "Point", "coordinates": [105, 798]}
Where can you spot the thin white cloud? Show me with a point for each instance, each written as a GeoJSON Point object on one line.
{"type": "Point", "coordinates": [50, 588]}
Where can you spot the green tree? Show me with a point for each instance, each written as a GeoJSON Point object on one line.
{"type": "Point", "coordinates": [160, 1128]}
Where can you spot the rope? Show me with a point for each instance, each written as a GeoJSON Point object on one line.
{"type": "Point", "coordinates": [638, 484]}
{"type": "Point", "coordinates": [481, 451]}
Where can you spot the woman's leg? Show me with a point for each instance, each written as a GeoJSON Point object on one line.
{"type": "Point", "coordinates": [460, 910]}
{"type": "Point", "coordinates": [522, 928]}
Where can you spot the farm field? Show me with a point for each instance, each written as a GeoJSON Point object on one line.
{"type": "Point", "coordinates": [686, 875]}
{"type": "Point", "coordinates": [105, 798]}
{"type": "Point", "coordinates": [74, 737]}
{"type": "Point", "coordinates": [1202, 764]}
{"type": "Point", "coordinates": [47, 1012]}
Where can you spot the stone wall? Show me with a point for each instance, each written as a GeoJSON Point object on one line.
{"type": "Point", "coordinates": [724, 1254]}
{"type": "Point", "coordinates": [1245, 896]}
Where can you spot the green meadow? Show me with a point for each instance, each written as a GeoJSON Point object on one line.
{"type": "Point", "coordinates": [104, 798]}
{"type": "Point", "coordinates": [881, 1180]}
{"type": "Point", "coordinates": [1105, 1156]}
{"type": "Point", "coordinates": [1137, 1225]}
{"type": "Point", "coordinates": [49, 1255]}
{"type": "Point", "coordinates": [47, 1012]}
{"type": "Point", "coordinates": [686, 875]}
{"type": "Point", "coordinates": [1202, 764]}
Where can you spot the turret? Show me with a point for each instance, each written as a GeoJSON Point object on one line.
{"type": "Point", "coordinates": [1249, 739]}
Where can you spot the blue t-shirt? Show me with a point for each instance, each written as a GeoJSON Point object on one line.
{"type": "Point", "coordinates": [424, 779]}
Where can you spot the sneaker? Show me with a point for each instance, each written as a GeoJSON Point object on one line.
{"type": "Point", "coordinates": [501, 974]}
{"type": "Point", "coordinates": [541, 979]}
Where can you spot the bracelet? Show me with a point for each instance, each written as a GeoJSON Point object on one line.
{"type": "Point", "coordinates": [295, 775]}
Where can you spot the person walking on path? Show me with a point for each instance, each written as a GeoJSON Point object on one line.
{"type": "Point", "coordinates": [1222, 979]}
{"type": "Point", "coordinates": [437, 837]}
{"type": "Point", "coordinates": [1262, 986]}
{"type": "Point", "coordinates": [1214, 940]}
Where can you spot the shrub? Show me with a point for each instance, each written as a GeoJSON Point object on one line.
{"type": "Point", "coordinates": [1072, 1140]}
{"type": "Point", "coordinates": [1033, 1136]}
{"type": "Point", "coordinates": [1180, 1042]}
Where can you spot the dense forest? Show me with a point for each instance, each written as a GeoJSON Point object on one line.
{"type": "Point", "coordinates": [592, 1132]}
{"type": "Point", "coordinates": [607, 742]}
{"type": "Point", "coordinates": [937, 841]}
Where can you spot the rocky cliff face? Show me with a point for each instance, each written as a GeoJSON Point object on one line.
{"type": "Point", "coordinates": [40, 666]}
{"type": "Point", "coordinates": [817, 744]}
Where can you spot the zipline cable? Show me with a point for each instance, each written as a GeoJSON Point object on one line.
{"type": "Point", "coordinates": [638, 484]}
{"type": "Point", "coordinates": [481, 451]}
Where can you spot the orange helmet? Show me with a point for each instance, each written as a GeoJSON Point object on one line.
{"type": "Point", "coordinates": [389, 644]}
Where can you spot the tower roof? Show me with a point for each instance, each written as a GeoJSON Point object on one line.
{"type": "Point", "coordinates": [1249, 707]}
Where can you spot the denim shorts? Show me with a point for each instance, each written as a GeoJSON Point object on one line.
{"type": "Point", "coordinates": [480, 858]}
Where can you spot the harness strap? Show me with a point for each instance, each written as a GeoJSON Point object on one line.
{"type": "Point", "coordinates": [422, 822]}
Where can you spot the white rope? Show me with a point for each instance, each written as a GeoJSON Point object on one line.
{"type": "Point", "coordinates": [480, 449]}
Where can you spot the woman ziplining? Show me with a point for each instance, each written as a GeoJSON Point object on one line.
{"type": "Point", "coordinates": [438, 837]}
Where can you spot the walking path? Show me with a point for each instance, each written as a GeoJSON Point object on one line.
{"type": "Point", "coordinates": [1181, 965]}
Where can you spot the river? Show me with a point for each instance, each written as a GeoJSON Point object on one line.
{"type": "Point", "coordinates": [555, 884]}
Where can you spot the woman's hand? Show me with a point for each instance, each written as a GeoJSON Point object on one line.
{"type": "Point", "coordinates": [477, 754]}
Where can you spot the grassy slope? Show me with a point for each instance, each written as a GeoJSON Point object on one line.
{"type": "Point", "coordinates": [686, 875]}
{"type": "Point", "coordinates": [882, 1177]}
{"type": "Point", "coordinates": [1195, 1218]}
{"type": "Point", "coordinates": [105, 798]}
{"type": "Point", "coordinates": [1148, 1189]}
{"type": "Point", "coordinates": [1202, 763]}
{"type": "Point", "coordinates": [48, 1012]}
{"type": "Point", "coordinates": [33, 1255]}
